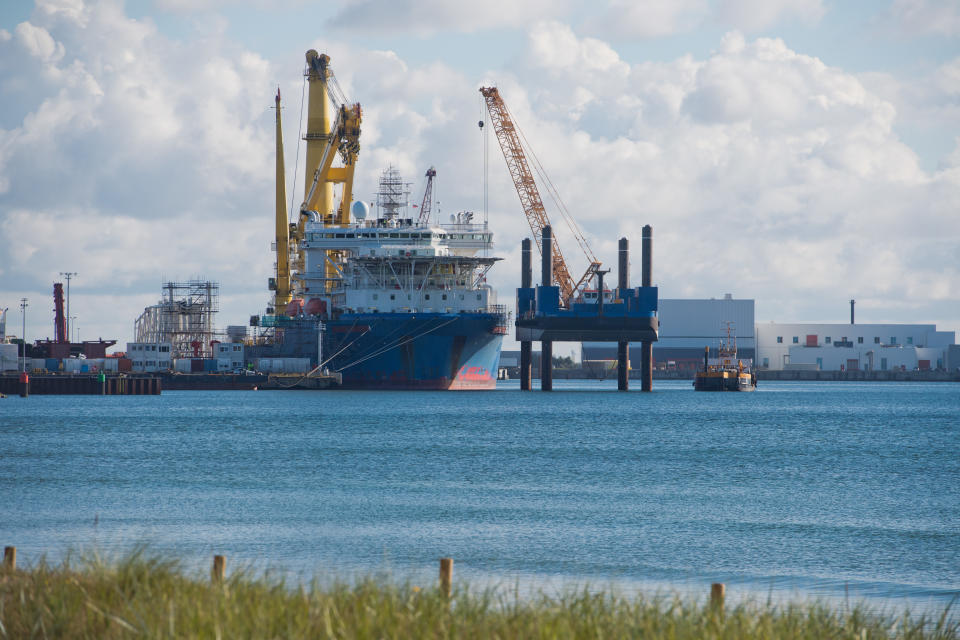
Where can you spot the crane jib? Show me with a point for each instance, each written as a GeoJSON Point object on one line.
{"type": "Point", "coordinates": [530, 199]}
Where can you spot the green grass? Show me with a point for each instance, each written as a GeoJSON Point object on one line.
{"type": "Point", "coordinates": [143, 595]}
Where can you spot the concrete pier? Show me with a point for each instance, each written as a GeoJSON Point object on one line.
{"type": "Point", "coordinates": [58, 384]}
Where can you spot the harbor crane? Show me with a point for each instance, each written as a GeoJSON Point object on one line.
{"type": "Point", "coordinates": [427, 197]}
{"type": "Point", "coordinates": [325, 142]}
{"type": "Point", "coordinates": [509, 137]}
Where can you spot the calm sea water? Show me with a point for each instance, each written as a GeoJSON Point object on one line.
{"type": "Point", "coordinates": [803, 488]}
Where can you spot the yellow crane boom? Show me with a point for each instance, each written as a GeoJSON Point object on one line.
{"type": "Point", "coordinates": [282, 295]}
{"type": "Point", "coordinates": [506, 131]}
{"type": "Point", "coordinates": [324, 143]}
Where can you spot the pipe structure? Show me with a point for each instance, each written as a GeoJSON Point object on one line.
{"type": "Point", "coordinates": [852, 302]}
{"type": "Point", "coordinates": [546, 279]}
{"type": "Point", "coordinates": [526, 281]}
{"type": "Point", "coordinates": [623, 347]}
{"type": "Point", "coordinates": [646, 356]}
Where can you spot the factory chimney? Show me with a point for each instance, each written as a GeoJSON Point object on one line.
{"type": "Point", "coordinates": [852, 302]}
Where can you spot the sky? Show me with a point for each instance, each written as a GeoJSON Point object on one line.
{"type": "Point", "coordinates": [797, 152]}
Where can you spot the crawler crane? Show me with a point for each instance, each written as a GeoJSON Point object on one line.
{"type": "Point", "coordinates": [507, 134]}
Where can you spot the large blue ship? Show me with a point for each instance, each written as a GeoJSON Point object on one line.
{"type": "Point", "coordinates": [382, 298]}
{"type": "Point", "coordinates": [407, 307]}
{"type": "Point", "coordinates": [409, 304]}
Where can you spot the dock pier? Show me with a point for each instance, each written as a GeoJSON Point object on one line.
{"type": "Point", "coordinates": [90, 385]}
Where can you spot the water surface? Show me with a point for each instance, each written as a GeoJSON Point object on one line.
{"type": "Point", "coordinates": [823, 489]}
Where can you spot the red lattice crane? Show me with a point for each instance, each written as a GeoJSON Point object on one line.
{"type": "Point", "coordinates": [507, 134]}
{"type": "Point", "coordinates": [427, 197]}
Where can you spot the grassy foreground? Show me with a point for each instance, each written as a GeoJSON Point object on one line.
{"type": "Point", "coordinates": [143, 595]}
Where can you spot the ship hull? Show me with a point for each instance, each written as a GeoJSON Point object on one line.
{"type": "Point", "coordinates": [423, 351]}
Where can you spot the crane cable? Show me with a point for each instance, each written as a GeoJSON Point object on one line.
{"type": "Point", "coordinates": [552, 190]}
{"type": "Point", "coordinates": [389, 348]}
{"type": "Point", "coordinates": [296, 158]}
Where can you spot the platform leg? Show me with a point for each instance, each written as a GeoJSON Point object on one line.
{"type": "Point", "coordinates": [546, 366]}
{"type": "Point", "coordinates": [646, 366]}
{"type": "Point", "coordinates": [623, 366]}
{"type": "Point", "coordinates": [525, 365]}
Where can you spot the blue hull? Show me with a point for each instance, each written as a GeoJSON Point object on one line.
{"type": "Point", "coordinates": [415, 351]}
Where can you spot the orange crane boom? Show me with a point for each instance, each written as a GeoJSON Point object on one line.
{"type": "Point", "coordinates": [530, 199]}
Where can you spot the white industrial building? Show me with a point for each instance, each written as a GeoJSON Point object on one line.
{"type": "Point", "coordinates": [150, 356]}
{"type": "Point", "coordinates": [855, 347]}
{"type": "Point", "coordinates": [686, 327]}
{"type": "Point", "coordinates": [229, 355]}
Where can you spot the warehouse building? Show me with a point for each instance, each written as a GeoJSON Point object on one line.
{"type": "Point", "coordinates": [686, 327]}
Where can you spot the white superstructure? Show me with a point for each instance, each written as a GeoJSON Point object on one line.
{"type": "Point", "coordinates": [393, 264]}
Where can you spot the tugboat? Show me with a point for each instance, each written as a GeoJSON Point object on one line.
{"type": "Point", "coordinates": [727, 372]}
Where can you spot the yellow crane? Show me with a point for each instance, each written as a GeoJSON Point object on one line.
{"type": "Point", "coordinates": [507, 135]}
{"type": "Point", "coordinates": [324, 143]}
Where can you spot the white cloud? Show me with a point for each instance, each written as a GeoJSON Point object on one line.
{"type": "Point", "coordinates": [130, 157]}
{"type": "Point", "coordinates": [919, 17]}
{"type": "Point", "coordinates": [789, 167]}
{"type": "Point", "coordinates": [647, 18]}
{"type": "Point", "coordinates": [427, 17]}
{"type": "Point", "coordinates": [754, 15]}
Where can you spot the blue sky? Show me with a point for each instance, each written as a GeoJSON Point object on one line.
{"type": "Point", "coordinates": [813, 144]}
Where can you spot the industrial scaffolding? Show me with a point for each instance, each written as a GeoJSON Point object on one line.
{"type": "Point", "coordinates": [184, 317]}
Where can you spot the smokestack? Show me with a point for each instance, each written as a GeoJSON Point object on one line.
{"type": "Point", "coordinates": [546, 258]}
{"type": "Point", "coordinates": [852, 302]}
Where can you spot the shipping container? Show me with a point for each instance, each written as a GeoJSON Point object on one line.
{"type": "Point", "coordinates": [52, 364]}
{"type": "Point", "coordinates": [210, 365]}
{"type": "Point", "coordinates": [124, 364]}
{"type": "Point", "coordinates": [111, 365]}
{"type": "Point", "coordinates": [182, 365]}
{"type": "Point", "coordinates": [196, 366]}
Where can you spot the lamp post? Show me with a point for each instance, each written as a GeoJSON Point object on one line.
{"type": "Point", "coordinates": [68, 275]}
{"type": "Point", "coordinates": [23, 335]}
